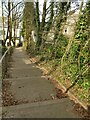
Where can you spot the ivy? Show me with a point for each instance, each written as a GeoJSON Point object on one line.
{"type": "Point", "coordinates": [76, 62]}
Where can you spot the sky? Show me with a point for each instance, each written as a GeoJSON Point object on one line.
{"type": "Point", "coordinates": [0, 9]}
{"type": "Point", "coordinates": [41, 5]}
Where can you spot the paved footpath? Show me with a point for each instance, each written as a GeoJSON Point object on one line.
{"type": "Point", "coordinates": [29, 84]}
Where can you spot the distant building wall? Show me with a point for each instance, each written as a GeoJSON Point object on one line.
{"type": "Point", "coordinates": [68, 28]}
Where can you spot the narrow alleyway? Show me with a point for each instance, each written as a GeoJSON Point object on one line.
{"type": "Point", "coordinates": [35, 91]}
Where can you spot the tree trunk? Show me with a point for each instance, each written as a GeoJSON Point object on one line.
{"type": "Point", "coordinates": [9, 22]}
{"type": "Point", "coordinates": [44, 15]}
{"type": "Point", "coordinates": [43, 23]}
{"type": "Point", "coordinates": [3, 25]}
{"type": "Point", "coordinates": [38, 26]}
{"type": "Point", "coordinates": [51, 16]}
{"type": "Point", "coordinates": [14, 32]}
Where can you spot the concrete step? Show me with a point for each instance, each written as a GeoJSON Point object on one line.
{"type": "Point", "coordinates": [18, 64]}
{"type": "Point", "coordinates": [26, 72]}
{"type": "Point", "coordinates": [32, 89]}
{"type": "Point", "coordinates": [62, 108]}
{"type": "Point", "coordinates": [14, 67]}
{"type": "Point", "coordinates": [24, 66]}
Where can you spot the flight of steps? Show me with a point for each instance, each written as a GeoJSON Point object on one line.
{"type": "Point", "coordinates": [28, 83]}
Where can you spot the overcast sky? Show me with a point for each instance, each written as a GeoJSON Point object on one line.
{"type": "Point", "coordinates": [0, 9]}
{"type": "Point", "coordinates": [41, 4]}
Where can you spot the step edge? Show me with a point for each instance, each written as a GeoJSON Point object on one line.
{"type": "Point", "coordinates": [36, 104]}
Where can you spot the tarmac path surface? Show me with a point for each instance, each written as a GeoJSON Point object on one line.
{"type": "Point", "coordinates": [37, 92]}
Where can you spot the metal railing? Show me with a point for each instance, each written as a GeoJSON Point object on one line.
{"type": "Point", "coordinates": [4, 62]}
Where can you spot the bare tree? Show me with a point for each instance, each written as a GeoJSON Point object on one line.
{"type": "Point", "coordinates": [3, 23]}
{"type": "Point", "coordinates": [9, 10]}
